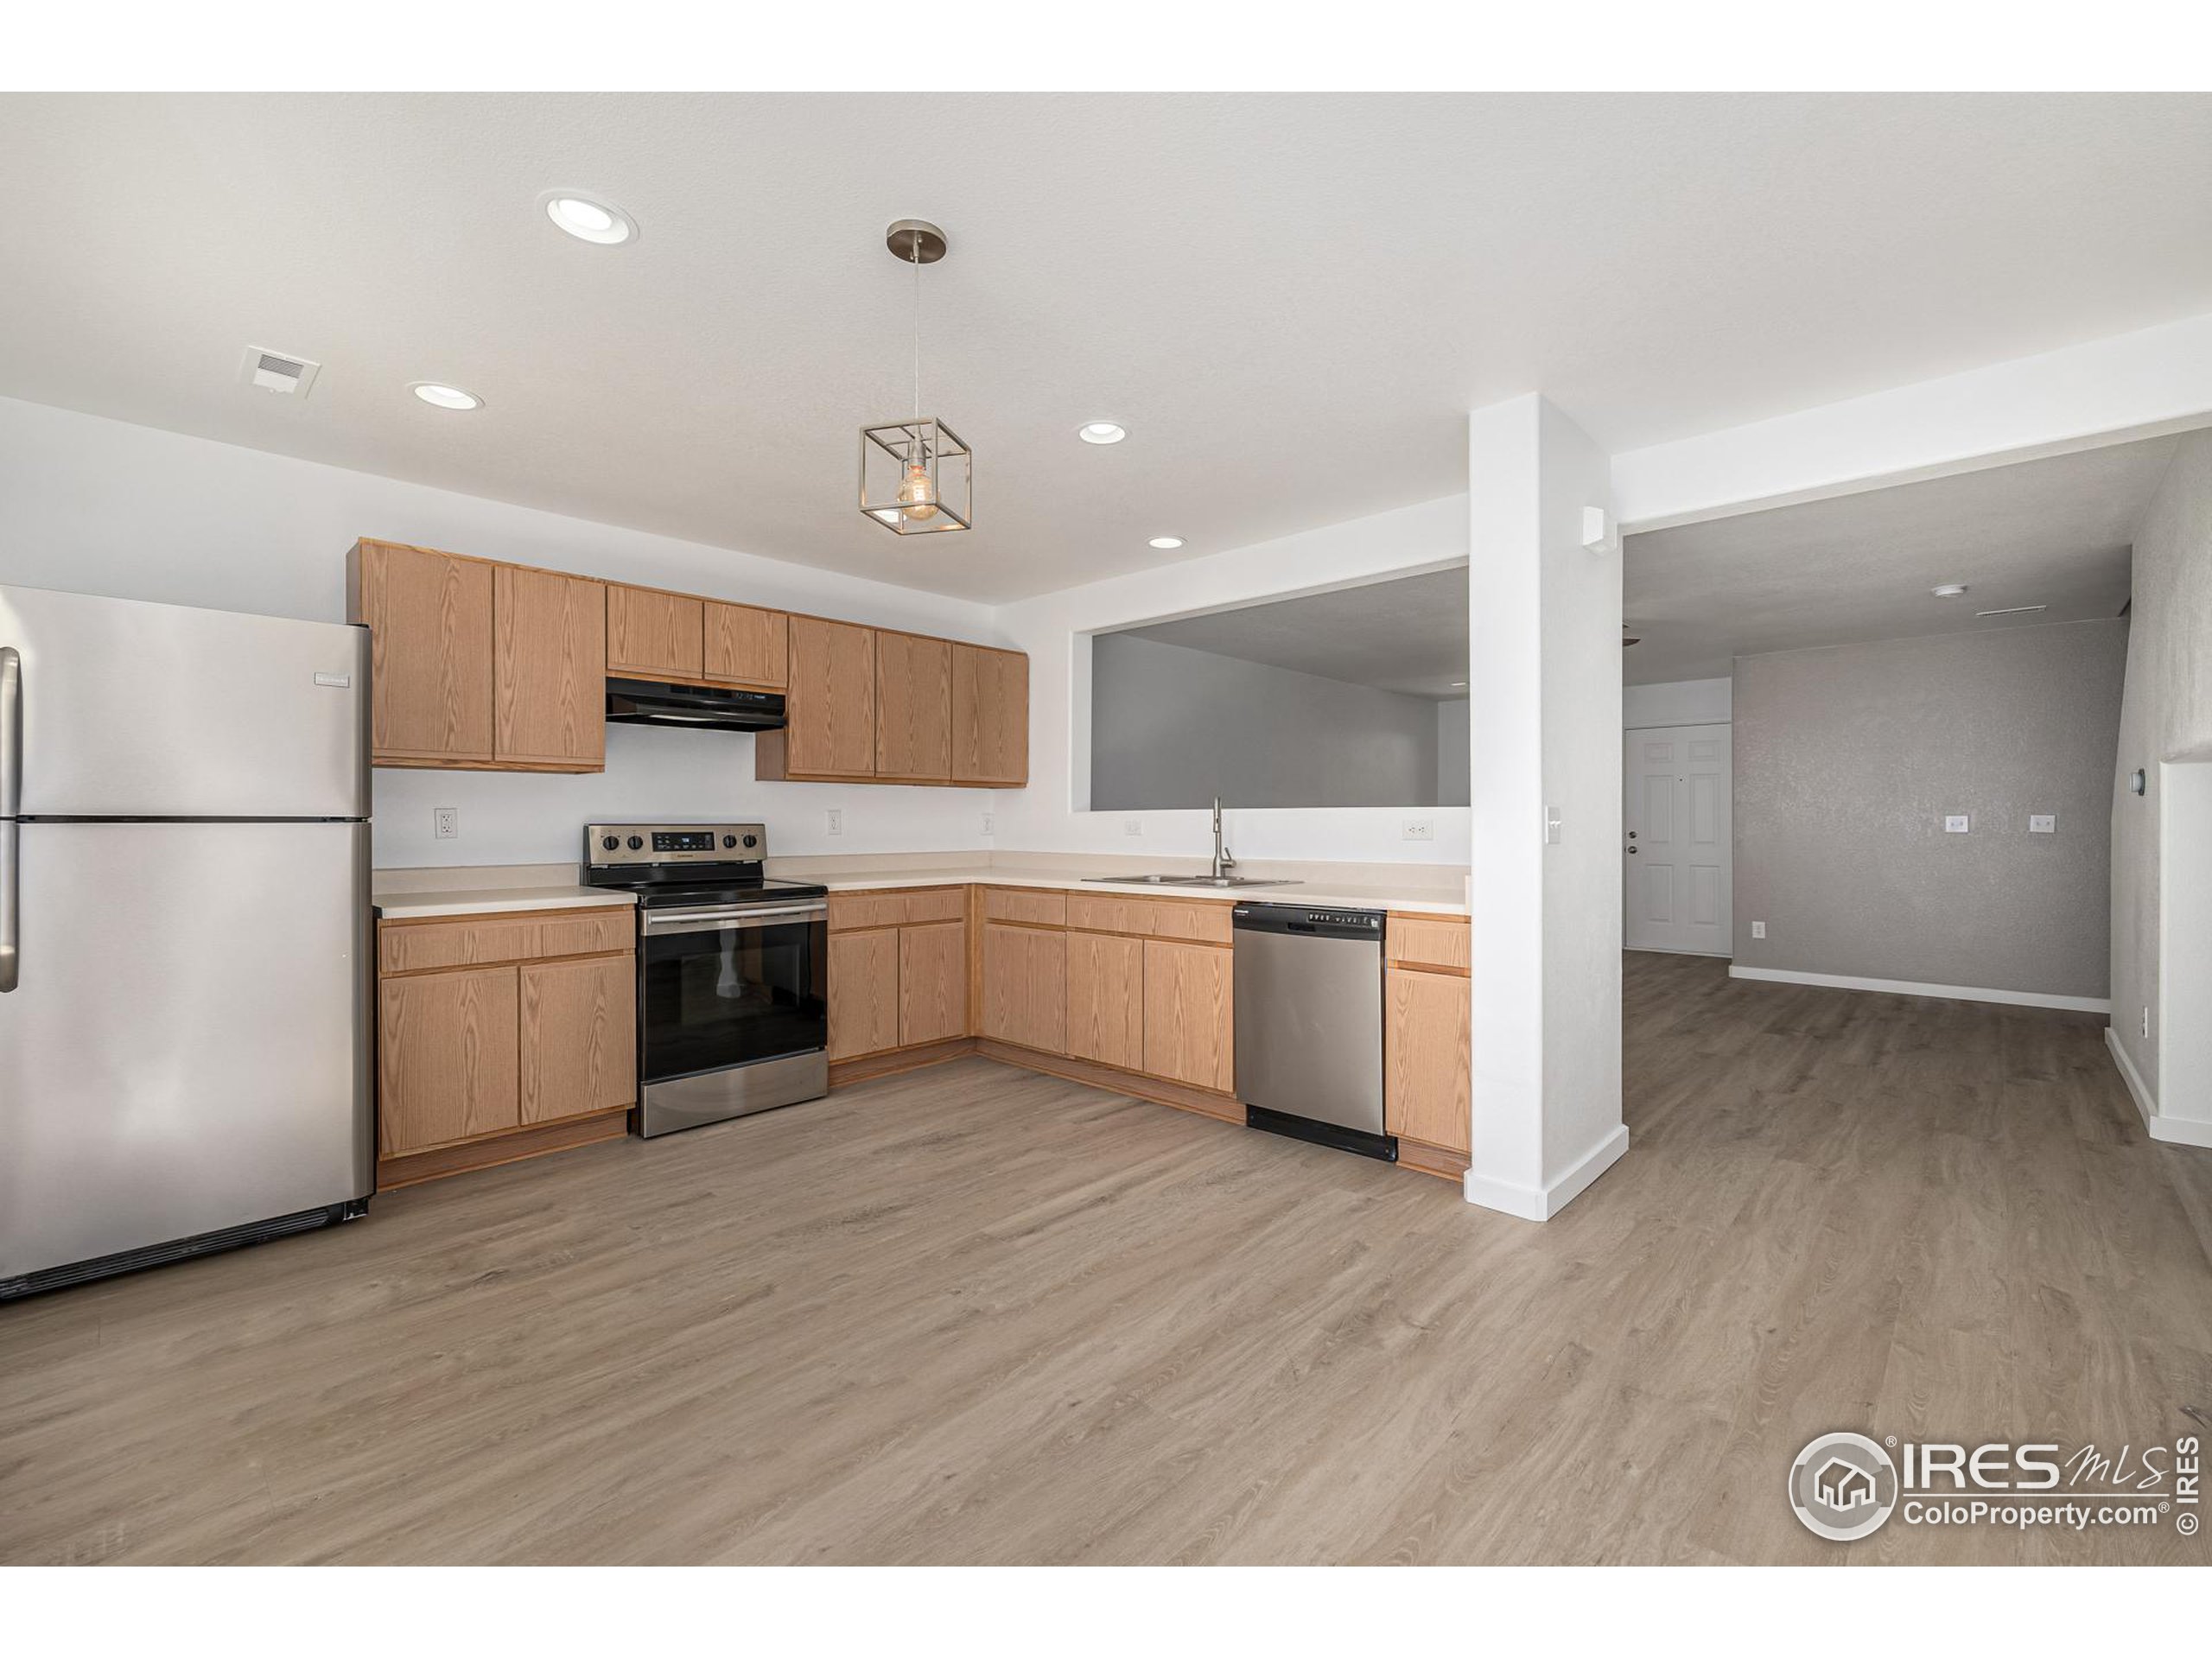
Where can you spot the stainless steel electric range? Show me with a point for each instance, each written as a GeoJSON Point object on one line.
{"type": "Point", "coordinates": [733, 971]}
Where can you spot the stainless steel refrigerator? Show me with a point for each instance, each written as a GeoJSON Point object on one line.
{"type": "Point", "coordinates": [186, 948]}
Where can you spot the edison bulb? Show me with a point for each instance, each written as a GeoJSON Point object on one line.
{"type": "Point", "coordinates": [918, 494]}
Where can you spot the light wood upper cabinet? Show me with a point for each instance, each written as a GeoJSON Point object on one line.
{"type": "Point", "coordinates": [1025, 987]}
{"type": "Point", "coordinates": [1189, 1014]}
{"type": "Point", "coordinates": [550, 680]}
{"type": "Point", "coordinates": [990, 716]}
{"type": "Point", "coordinates": [579, 1041]}
{"type": "Point", "coordinates": [1427, 1054]}
{"type": "Point", "coordinates": [832, 705]}
{"type": "Point", "coordinates": [1106, 1000]}
{"type": "Point", "coordinates": [652, 635]}
{"type": "Point", "coordinates": [430, 618]}
{"type": "Point", "coordinates": [748, 645]}
{"type": "Point", "coordinates": [913, 708]}
{"type": "Point", "coordinates": [447, 1060]}
{"type": "Point", "coordinates": [932, 982]}
{"type": "Point", "coordinates": [863, 992]}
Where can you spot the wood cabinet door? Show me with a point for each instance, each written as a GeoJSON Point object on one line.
{"type": "Point", "coordinates": [1025, 987]}
{"type": "Point", "coordinates": [832, 730]}
{"type": "Point", "coordinates": [651, 634]}
{"type": "Point", "coordinates": [550, 634]}
{"type": "Point", "coordinates": [913, 708]}
{"type": "Point", "coordinates": [990, 716]}
{"type": "Point", "coordinates": [579, 1041]}
{"type": "Point", "coordinates": [445, 1060]}
{"type": "Point", "coordinates": [748, 645]}
{"type": "Point", "coordinates": [429, 621]}
{"type": "Point", "coordinates": [932, 982]}
{"type": "Point", "coordinates": [1427, 1021]}
{"type": "Point", "coordinates": [863, 992]}
{"type": "Point", "coordinates": [1190, 1033]}
{"type": "Point", "coordinates": [1106, 1000]}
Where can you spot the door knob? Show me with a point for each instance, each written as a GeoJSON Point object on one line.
{"type": "Point", "coordinates": [1631, 852]}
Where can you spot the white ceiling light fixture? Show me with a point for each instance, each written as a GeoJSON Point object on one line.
{"type": "Point", "coordinates": [1102, 432]}
{"type": "Point", "coordinates": [917, 477]}
{"type": "Point", "coordinates": [588, 219]}
{"type": "Point", "coordinates": [438, 395]}
{"type": "Point", "coordinates": [1166, 544]}
{"type": "Point", "coordinates": [1948, 590]}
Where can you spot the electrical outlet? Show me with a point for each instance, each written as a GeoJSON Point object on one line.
{"type": "Point", "coordinates": [2146, 1021]}
{"type": "Point", "coordinates": [446, 821]}
{"type": "Point", "coordinates": [2043, 824]}
{"type": "Point", "coordinates": [988, 830]}
{"type": "Point", "coordinates": [1419, 829]}
{"type": "Point", "coordinates": [1133, 826]}
{"type": "Point", "coordinates": [834, 821]}
{"type": "Point", "coordinates": [1955, 824]}
{"type": "Point", "coordinates": [1759, 929]}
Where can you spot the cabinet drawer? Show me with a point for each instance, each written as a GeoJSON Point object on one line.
{"type": "Point", "coordinates": [414, 947]}
{"type": "Point", "coordinates": [1195, 922]}
{"type": "Point", "coordinates": [851, 910]}
{"type": "Point", "coordinates": [935, 905]}
{"type": "Point", "coordinates": [1428, 941]}
{"type": "Point", "coordinates": [1035, 906]}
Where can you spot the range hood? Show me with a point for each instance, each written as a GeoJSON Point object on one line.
{"type": "Point", "coordinates": [648, 703]}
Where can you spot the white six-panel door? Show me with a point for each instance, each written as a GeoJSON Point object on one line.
{"type": "Point", "coordinates": [1675, 862]}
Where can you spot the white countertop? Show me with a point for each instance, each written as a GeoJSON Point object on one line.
{"type": "Point", "coordinates": [476, 901]}
{"type": "Point", "coordinates": [1426, 900]}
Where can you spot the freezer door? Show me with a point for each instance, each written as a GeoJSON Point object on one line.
{"type": "Point", "coordinates": [141, 710]}
{"type": "Point", "coordinates": [188, 1046]}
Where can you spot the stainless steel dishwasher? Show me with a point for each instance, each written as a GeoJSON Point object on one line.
{"type": "Point", "coordinates": [1309, 1025]}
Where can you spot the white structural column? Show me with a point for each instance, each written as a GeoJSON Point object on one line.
{"type": "Point", "coordinates": [1544, 689]}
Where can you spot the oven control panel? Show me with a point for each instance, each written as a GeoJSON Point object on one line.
{"type": "Point", "coordinates": [675, 843]}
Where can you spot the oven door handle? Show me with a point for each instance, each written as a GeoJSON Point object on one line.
{"type": "Point", "coordinates": [720, 920]}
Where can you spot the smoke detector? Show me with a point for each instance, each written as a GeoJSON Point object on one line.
{"type": "Point", "coordinates": [279, 371]}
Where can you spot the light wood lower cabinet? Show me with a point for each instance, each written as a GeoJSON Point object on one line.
{"type": "Point", "coordinates": [1105, 1020]}
{"type": "Point", "coordinates": [1426, 1055]}
{"type": "Point", "coordinates": [863, 992]}
{"type": "Point", "coordinates": [1025, 987]}
{"type": "Point", "coordinates": [487, 1052]}
{"type": "Point", "coordinates": [1189, 1014]}
{"type": "Point", "coordinates": [932, 982]}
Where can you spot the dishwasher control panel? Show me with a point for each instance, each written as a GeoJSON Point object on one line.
{"type": "Point", "coordinates": [1299, 919]}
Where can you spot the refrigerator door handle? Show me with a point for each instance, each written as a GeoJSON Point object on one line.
{"type": "Point", "coordinates": [10, 855]}
{"type": "Point", "coordinates": [11, 732]}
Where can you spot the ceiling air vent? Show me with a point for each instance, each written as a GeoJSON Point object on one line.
{"type": "Point", "coordinates": [279, 371]}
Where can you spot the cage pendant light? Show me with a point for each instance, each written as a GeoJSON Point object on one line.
{"type": "Point", "coordinates": [917, 477]}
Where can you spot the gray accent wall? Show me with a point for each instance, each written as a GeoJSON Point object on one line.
{"type": "Point", "coordinates": [1170, 726]}
{"type": "Point", "coordinates": [2167, 712]}
{"type": "Point", "coordinates": [1847, 759]}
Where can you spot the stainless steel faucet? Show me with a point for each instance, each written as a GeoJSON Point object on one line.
{"type": "Point", "coordinates": [1223, 860]}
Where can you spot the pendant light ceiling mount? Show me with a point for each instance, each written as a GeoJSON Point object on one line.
{"type": "Point", "coordinates": [917, 477]}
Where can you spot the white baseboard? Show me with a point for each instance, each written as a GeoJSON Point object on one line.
{"type": "Point", "coordinates": [2178, 1131]}
{"type": "Point", "coordinates": [1542, 1203]}
{"type": "Point", "coordinates": [1916, 988]}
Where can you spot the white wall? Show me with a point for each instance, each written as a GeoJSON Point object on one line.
{"type": "Point", "coordinates": [1676, 702]}
{"type": "Point", "coordinates": [2165, 712]}
{"type": "Point", "coordinates": [104, 507]}
{"type": "Point", "coordinates": [1175, 727]}
{"type": "Point", "coordinates": [1052, 814]}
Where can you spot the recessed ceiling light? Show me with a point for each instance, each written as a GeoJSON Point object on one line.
{"type": "Point", "coordinates": [1166, 544]}
{"type": "Point", "coordinates": [588, 219]}
{"type": "Point", "coordinates": [444, 397]}
{"type": "Point", "coordinates": [1948, 590]}
{"type": "Point", "coordinates": [1101, 432]}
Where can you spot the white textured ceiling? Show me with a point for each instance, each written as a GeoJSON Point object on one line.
{"type": "Point", "coordinates": [2054, 532]}
{"type": "Point", "coordinates": [1407, 635]}
{"type": "Point", "coordinates": [1290, 299]}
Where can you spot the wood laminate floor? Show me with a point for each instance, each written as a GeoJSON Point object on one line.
{"type": "Point", "coordinates": [974, 1314]}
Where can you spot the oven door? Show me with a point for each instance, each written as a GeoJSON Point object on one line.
{"type": "Point", "coordinates": [731, 987]}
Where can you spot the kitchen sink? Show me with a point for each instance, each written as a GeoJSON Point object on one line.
{"type": "Point", "coordinates": [1198, 881]}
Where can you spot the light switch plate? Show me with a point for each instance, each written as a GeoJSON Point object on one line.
{"type": "Point", "coordinates": [988, 822]}
{"type": "Point", "coordinates": [1553, 830]}
{"type": "Point", "coordinates": [2043, 824]}
{"type": "Point", "coordinates": [833, 821]}
{"type": "Point", "coordinates": [446, 822]}
{"type": "Point", "coordinates": [1955, 824]}
{"type": "Point", "coordinates": [1759, 929]}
